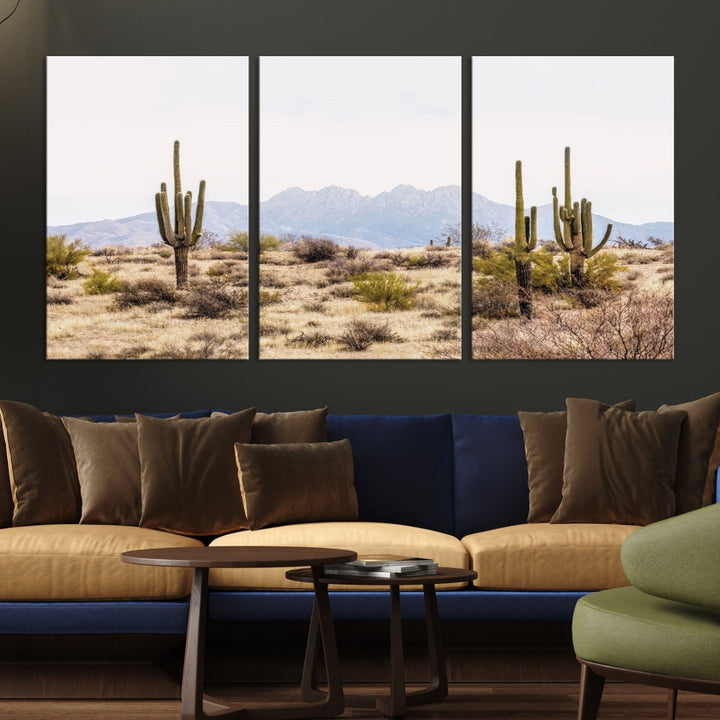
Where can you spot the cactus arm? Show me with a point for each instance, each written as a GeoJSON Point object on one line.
{"type": "Point", "coordinates": [187, 218]}
{"type": "Point", "coordinates": [179, 216]}
{"type": "Point", "coordinates": [558, 217]}
{"type": "Point", "coordinates": [586, 225]}
{"type": "Point", "coordinates": [178, 187]}
{"type": "Point", "coordinates": [600, 245]}
{"type": "Point", "coordinates": [587, 229]}
{"type": "Point", "coordinates": [520, 236]}
{"type": "Point", "coordinates": [163, 217]}
{"type": "Point", "coordinates": [199, 213]}
{"type": "Point", "coordinates": [532, 234]}
{"type": "Point", "coordinates": [568, 194]}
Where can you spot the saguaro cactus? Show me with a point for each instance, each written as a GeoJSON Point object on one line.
{"type": "Point", "coordinates": [181, 235]}
{"type": "Point", "coordinates": [525, 243]}
{"type": "Point", "coordinates": [574, 230]}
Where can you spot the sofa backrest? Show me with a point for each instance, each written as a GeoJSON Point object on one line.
{"type": "Point", "coordinates": [490, 482]}
{"type": "Point", "coordinates": [403, 467]}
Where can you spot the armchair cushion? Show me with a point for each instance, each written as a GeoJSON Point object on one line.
{"type": "Point", "coordinates": [627, 628]}
{"type": "Point", "coordinates": [678, 558]}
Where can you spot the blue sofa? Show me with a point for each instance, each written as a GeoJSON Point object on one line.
{"type": "Point", "coordinates": [455, 474]}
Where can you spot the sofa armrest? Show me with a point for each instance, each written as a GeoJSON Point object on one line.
{"type": "Point", "coordinates": [678, 558]}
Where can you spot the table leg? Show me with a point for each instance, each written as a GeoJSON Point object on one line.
{"type": "Point", "coordinates": [194, 667]}
{"type": "Point", "coordinates": [197, 706]}
{"type": "Point", "coordinates": [395, 703]}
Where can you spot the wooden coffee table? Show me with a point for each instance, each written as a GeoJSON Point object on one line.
{"type": "Point", "coordinates": [392, 705]}
{"type": "Point", "coordinates": [196, 706]}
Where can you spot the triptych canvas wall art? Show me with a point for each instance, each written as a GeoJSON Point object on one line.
{"type": "Point", "coordinates": [360, 192]}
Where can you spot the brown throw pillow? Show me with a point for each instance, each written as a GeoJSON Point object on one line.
{"type": "Point", "coordinates": [6, 501]}
{"type": "Point", "coordinates": [544, 436]}
{"type": "Point", "coordinates": [108, 466]}
{"type": "Point", "coordinates": [297, 482]}
{"type": "Point", "coordinates": [619, 465]}
{"type": "Point", "coordinates": [697, 439]}
{"type": "Point", "coordinates": [295, 426]}
{"type": "Point", "coordinates": [188, 475]}
{"type": "Point", "coordinates": [41, 466]}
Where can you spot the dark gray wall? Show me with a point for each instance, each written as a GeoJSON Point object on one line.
{"type": "Point", "coordinates": [257, 27]}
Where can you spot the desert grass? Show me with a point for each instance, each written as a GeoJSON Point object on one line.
{"type": "Point", "coordinates": [318, 313]}
{"type": "Point", "coordinates": [82, 326]}
{"type": "Point", "coordinates": [312, 310]}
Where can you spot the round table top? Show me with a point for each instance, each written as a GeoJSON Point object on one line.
{"type": "Point", "coordinates": [238, 557]}
{"type": "Point", "coordinates": [443, 575]}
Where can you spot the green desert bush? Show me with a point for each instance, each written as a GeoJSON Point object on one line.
{"type": "Point", "coordinates": [240, 241]}
{"type": "Point", "coordinates": [102, 283]}
{"type": "Point", "coordinates": [63, 257]}
{"type": "Point", "coordinates": [384, 291]}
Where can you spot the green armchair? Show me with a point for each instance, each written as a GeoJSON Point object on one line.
{"type": "Point", "coordinates": [664, 629]}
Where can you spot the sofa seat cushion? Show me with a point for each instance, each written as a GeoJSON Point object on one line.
{"type": "Point", "coordinates": [82, 562]}
{"type": "Point", "coordinates": [365, 538]}
{"type": "Point", "coordinates": [544, 556]}
{"type": "Point", "coordinates": [627, 628]}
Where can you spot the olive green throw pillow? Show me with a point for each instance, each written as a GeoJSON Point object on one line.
{"type": "Point", "coordinates": [188, 475]}
{"type": "Point", "coordinates": [544, 437]}
{"type": "Point", "coordinates": [619, 465]}
{"type": "Point", "coordinates": [697, 439]}
{"type": "Point", "coordinates": [297, 482]}
{"type": "Point", "coordinates": [41, 466]}
{"type": "Point", "coordinates": [108, 466]}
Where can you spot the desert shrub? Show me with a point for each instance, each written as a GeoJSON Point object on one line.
{"type": "Point", "coordinates": [241, 241]}
{"type": "Point", "coordinates": [384, 291]}
{"type": "Point", "coordinates": [58, 298]}
{"type": "Point", "coordinates": [145, 292]}
{"type": "Point", "coordinates": [360, 334]}
{"type": "Point", "coordinates": [600, 272]}
{"type": "Point", "coordinates": [63, 257]}
{"type": "Point", "coordinates": [632, 327]}
{"type": "Point", "coordinates": [342, 269]}
{"type": "Point", "coordinates": [268, 297]}
{"type": "Point", "coordinates": [497, 263]}
{"type": "Point", "coordinates": [427, 260]}
{"type": "Point", "coordinates": [213, 300]}
{"type": "Point", "coordinates": [102, 283]}
{"type": "Point", "coordinates": [494, 299]}
{"type": "Point", "coordinates": [310, 340]}
{"type": "Point", "coordinates": [312, 250]}
{"type": "Point", "coordinates": [548, 276]}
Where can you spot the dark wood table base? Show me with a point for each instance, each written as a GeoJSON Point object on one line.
{"type": "Point", "coordinates": [394, 703]}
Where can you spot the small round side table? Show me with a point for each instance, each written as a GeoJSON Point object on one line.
{"type": "Point", "coordinates": [392, 705]}
{"type": "Point", "coordinates": [196, 706]}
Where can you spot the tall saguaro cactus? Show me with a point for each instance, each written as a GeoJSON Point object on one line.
{"type": "Point", "coordinates": [525, 243]}
{"type": "Point", "coordinates": [573, 228]}
{"type": "Point", "coordinates": [181, 235]}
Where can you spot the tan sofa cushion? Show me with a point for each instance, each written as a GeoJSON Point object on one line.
{"type": "Point", "coordinates": [544, 556]}
{"type": "Point", "coordinates": [365, 538]}
{"type": "Point", "coordinates": [82, 562]}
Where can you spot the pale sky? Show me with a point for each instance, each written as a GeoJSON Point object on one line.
{"type": "Point", "coordinates": [615, 113]}
{"type": "Point", "coordinates": [111, 126]}
{"type": "Point", "coordinates": [368, 123]}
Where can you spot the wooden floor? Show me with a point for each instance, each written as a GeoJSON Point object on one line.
{"type": "Point", "coordinates": [466, 701]}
